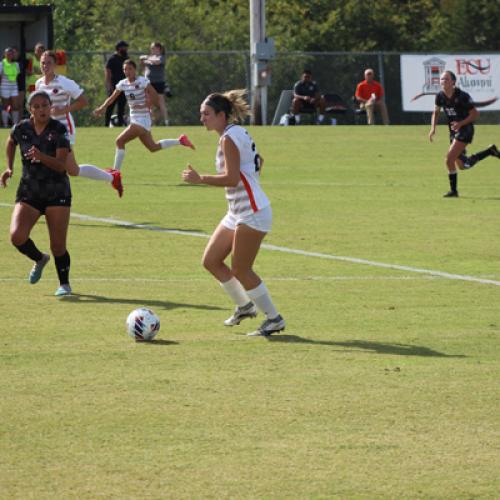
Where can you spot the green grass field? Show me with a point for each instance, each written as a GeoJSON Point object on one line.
{"type": "Point", "coordinates": [384, 384]}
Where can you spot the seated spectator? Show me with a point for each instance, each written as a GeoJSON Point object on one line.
{"type": "Point", "coordinates": [370, 95]}
{"type": "Point", "coordinates": [154, 71]}
{"type": "Point", "coordinates": [306, 97]}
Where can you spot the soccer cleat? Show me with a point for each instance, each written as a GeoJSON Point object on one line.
{"type": "Point", "coordinates": [184, 140]}
{"type": "Point", "coordinates": [269, 327]}
{"type": "Point", "coordinates": [63, 290]}
{"type": "Point", "coordinates": [494, 150]}
{"type": "Point", "coordinates": [37, 269]}
{"type": "Point", "coordinates": [117, 180]}
{"type": "Point", "coordinates": [240, 313]}
{"type": "Point", "coordinates": [451, 194]}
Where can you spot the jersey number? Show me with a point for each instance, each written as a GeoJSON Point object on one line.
{"type": "Point", "coordinates": [257, 161]}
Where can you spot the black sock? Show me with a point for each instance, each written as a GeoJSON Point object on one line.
{"type": "Point", "coordinates": [473, 159]}
{"type": "Point", "coordinates": [481, 155]}
{"type": "Point", "coordinates": [453, 181]}
{"type": "Point", "coordinates": [62, 266]}
{"type": "Point", "coordinates": [30, 250]}
{"type": "Point", "coordinates": [470, 162]}
{"type": "Point", "coordinates": [467, 161]}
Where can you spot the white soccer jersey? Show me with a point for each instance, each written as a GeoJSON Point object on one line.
{"type": "Point", "coordinates": [135, 92]}
{"type": "Point", "coordinates": [247, 197]}
{"type": "Point", "coordinates": [61, 90]}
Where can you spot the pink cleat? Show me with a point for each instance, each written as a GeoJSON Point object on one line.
{"type": "Point", "coordinates": [117, 180]}
{"type": "Point", "coordinates": [184, 140]}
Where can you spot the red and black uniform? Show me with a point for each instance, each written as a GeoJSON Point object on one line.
{"type": "Point", "coordinates": [41, 186]}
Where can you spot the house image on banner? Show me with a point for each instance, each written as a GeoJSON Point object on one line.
{"type": "Point", "coordinates": [433, 68]}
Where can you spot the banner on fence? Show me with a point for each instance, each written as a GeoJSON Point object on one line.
{"type": "Point", "coordinates": [477, 74]}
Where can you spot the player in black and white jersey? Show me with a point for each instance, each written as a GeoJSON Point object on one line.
{"type": "Point", "coordinates": [44, 188]}
{"type": "Point", "coordinates": [140, 97]}
{"type": "Point", "coordinates": [461, 113]}
{"type": "Point", "coordinates": [249, 216]}
{"type": "Point", "coordinates": [67, 97]}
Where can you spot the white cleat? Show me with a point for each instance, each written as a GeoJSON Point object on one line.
{"type": "Point", "coordinates": [240, 313]}
{"type": "Point", "coordinates": [269, 327]}
{"type": "Point", "coordinates": [63, 291]}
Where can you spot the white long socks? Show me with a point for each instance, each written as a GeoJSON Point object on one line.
{"type": "Point", "coordinates": [262, 300]}
{"type": "Point", "coordinates": [236, 291]}
{"type": "Point", "coordinates": [120, 153]}
{"type": "Point", "coordinates": [92, 172]}
{"type": "Point", "coordinates": [168, 143]}
{"type": "Point", "coordinates": [119, 156]}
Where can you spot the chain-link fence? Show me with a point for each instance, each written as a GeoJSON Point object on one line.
{"type": "Point", "coordinates": [192, 75]}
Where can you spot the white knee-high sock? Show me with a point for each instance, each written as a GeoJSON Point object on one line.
{"type": "Point", "coordinates": [168, 143]}
{"type": "Point", "coordinates": [236, 291]}
{"type": "Point", "coordinates": [119, 156]}
{"type": "Point", "coordinates": [262, 299]}
{"type": "Point", "coordinates": [93, 172]}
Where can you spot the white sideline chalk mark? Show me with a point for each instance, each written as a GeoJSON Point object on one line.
{"type": "Point", "coordinates": [354, 260]}
{"type": "Point", "coordinates": [303, 253]}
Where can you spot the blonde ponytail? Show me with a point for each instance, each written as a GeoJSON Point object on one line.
{"type": "Point", "coordinates": [232, 103]}
{"type": "Point", "coordinates": [240, 108]}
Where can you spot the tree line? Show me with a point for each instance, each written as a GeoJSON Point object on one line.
{"type": "Point", "coordinates": [295, 25]}
{"type": "Point", "coordinates": [303, 32]}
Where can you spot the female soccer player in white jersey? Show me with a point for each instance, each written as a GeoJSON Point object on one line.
{"type": "Point", "coordinates": [140, 97]}
{"type": "Point", "coordinates": [62, 92]}
{"type": "Point", "coordinates": [249, 216]}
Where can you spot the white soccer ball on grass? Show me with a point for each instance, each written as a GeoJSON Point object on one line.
{"type": "Point", "coordinates": [143, 324]}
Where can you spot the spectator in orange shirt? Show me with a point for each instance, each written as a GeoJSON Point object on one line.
{"type": "Point", "coordinates": [370, 95]}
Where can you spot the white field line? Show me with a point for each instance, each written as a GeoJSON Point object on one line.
{"type": "Point", "coordinates": [303, 253]}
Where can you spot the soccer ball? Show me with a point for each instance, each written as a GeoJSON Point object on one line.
{"type": "Point", "coordinates": [143, 324]}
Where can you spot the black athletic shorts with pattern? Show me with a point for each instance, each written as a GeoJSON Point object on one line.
{"type": "Point", "coordinates": [465, 134]}
{"type": "Point", "coordinates": [41, 186]}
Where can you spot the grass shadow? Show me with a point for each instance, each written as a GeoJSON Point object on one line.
{"type": "Point", "coordinates": [480, 198]}
{"type": "Point", "coordinates": [139, 225]}
{"type": "Point", "coordinates": [369, 346]}
{"type": "Point", "coordinates": [157, 304]}
{"type": "Point", "coordinates": [158, 342]}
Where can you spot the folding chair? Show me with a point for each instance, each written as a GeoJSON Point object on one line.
{"type": "Point", "coordinates": [335, 105]}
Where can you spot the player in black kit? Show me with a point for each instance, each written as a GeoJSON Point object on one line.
{"type": "Point", "coordinates": [44, 188]}
{"type": "Point", "coordinates": [461, 113]}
